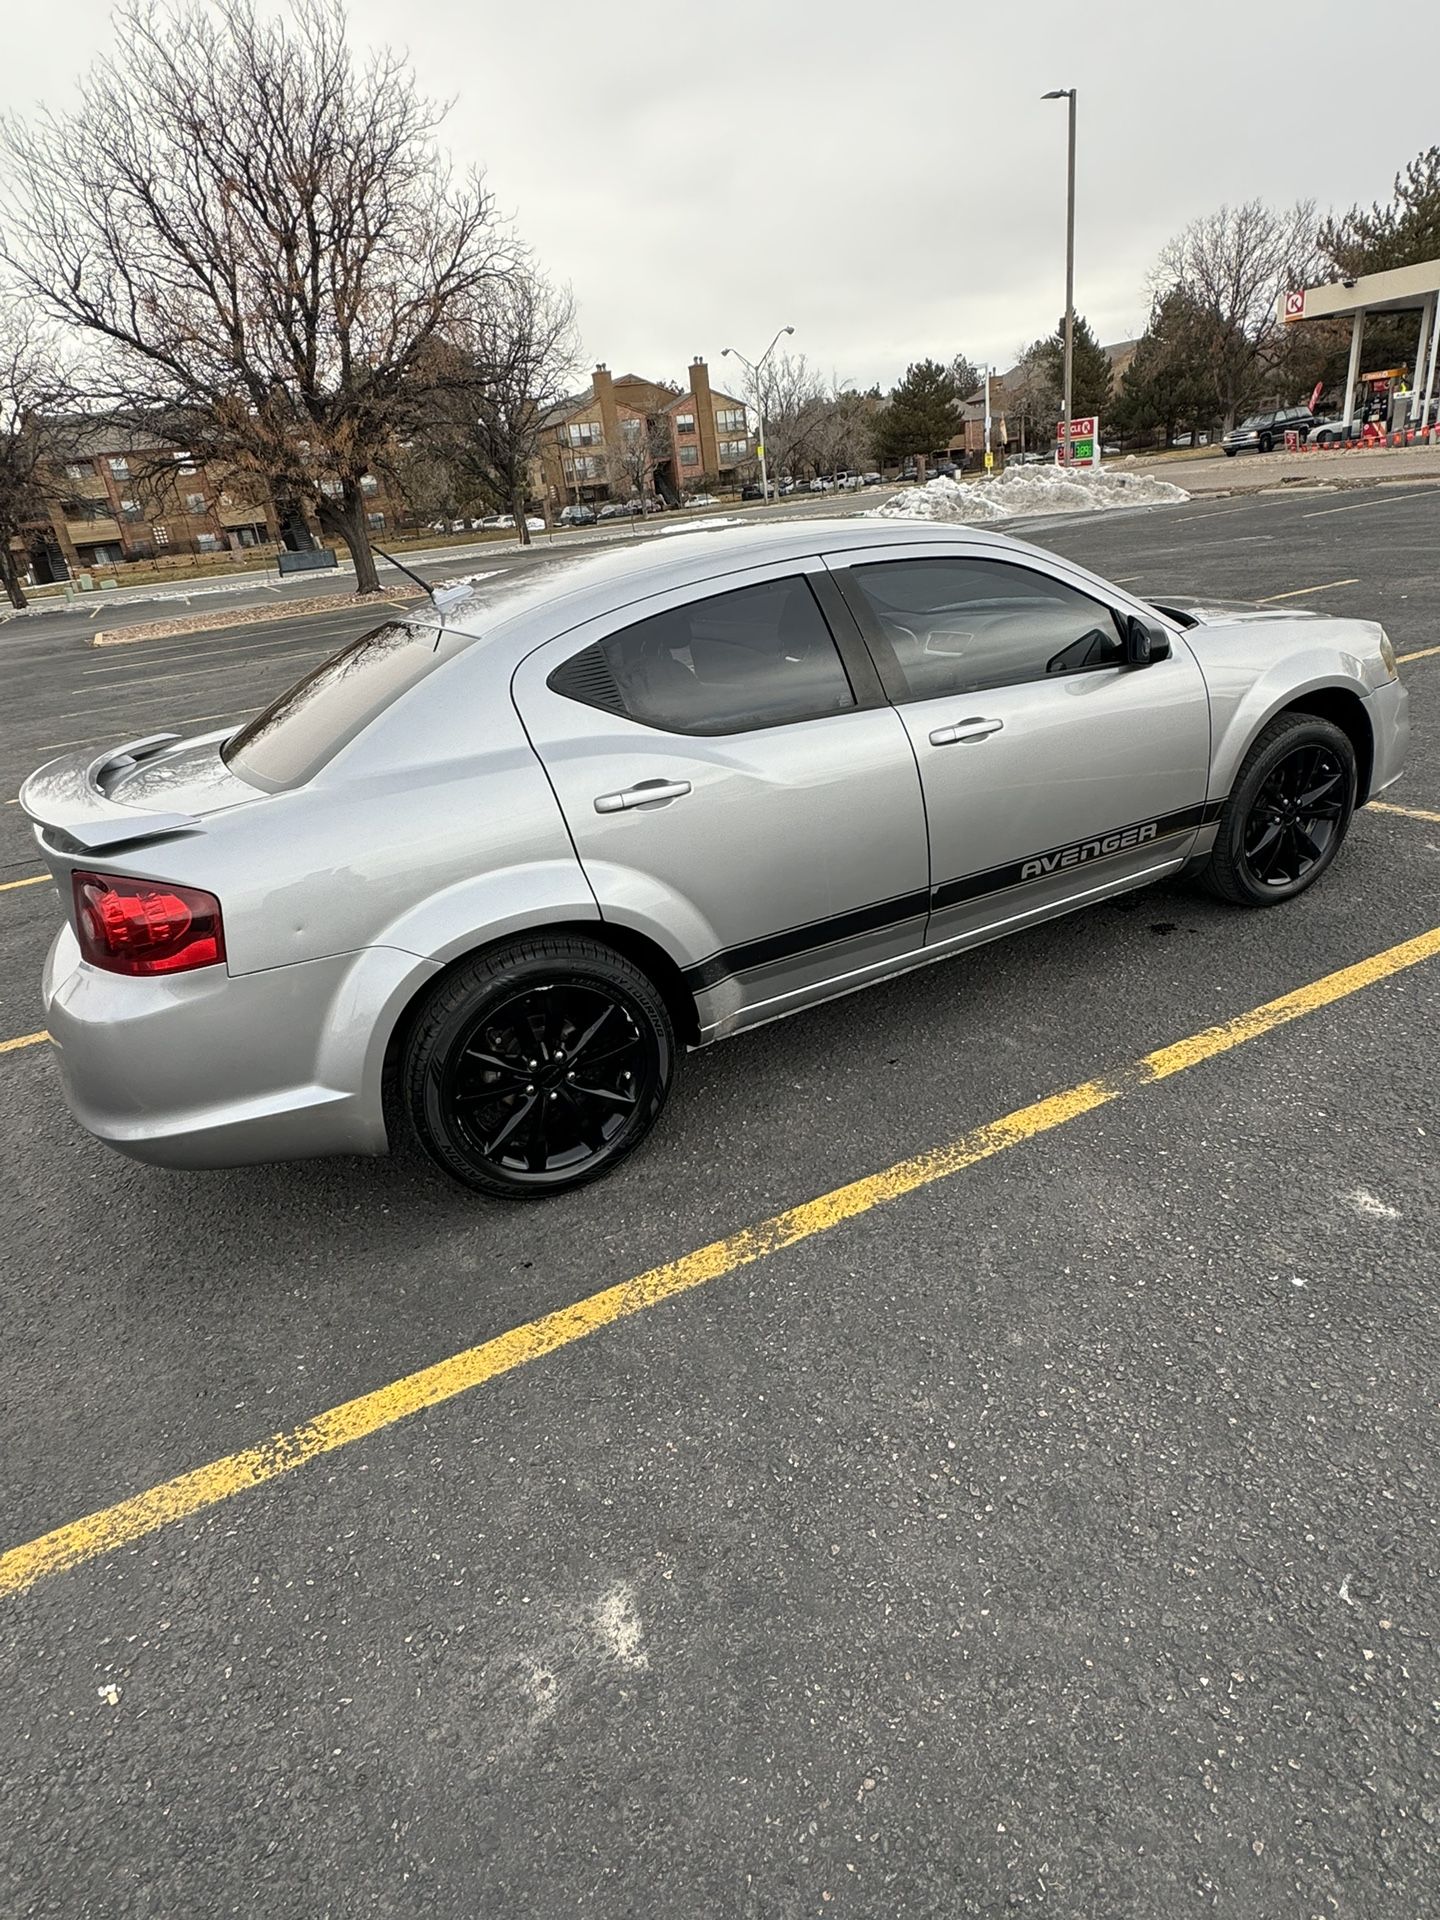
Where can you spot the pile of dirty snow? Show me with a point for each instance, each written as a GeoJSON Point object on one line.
{"type": "Point", "coordinates": [1023, 491]}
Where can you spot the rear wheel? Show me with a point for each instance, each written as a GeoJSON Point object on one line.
{"type": "Point", "coordinates": [1287, 814]}
{"type": "Point", "coordinates": [539, 1066]}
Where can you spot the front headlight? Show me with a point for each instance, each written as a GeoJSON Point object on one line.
{"type": "Point", "coordinates": [1387, 655]}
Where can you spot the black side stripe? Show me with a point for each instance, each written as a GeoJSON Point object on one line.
{"type": "Point", "coordinates": [1075, 853]}
{"type": "Point", "coordinates": [973, 886]}
{"type": "Point", "coordinates": [818, 933]}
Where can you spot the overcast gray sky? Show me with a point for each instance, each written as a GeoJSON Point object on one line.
{"type": "Point", "coordinates": [880, 174]}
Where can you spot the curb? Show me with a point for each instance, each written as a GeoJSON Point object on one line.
{"type": "Point", "coordinates": [216, 621]}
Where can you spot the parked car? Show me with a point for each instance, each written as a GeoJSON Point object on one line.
{"type": "Point", "coordinates": [493, 520]}
{"type": "Point", "coordinates": [360, 918]}
{"type": "Point", "coordinates": [1264, 431]}
{"type": "Point", "coordinates": [534, 522]}
{"type": "Point", "coordinates": [852, 483]}
{"type": "Point", "coordinates": [701, 500]}
{"type": "Point", "coordinates": [615, 510]}
{"type": "Point", "coordinates": [874, 480]}
{"type": "Point", "coordinates": [578, 515]}
{"type": "Point", "coordinates": [752, 490]}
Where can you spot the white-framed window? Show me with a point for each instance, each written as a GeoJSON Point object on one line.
{"type": "Point", "coordinates": [78, 475]}
{"type": "Point", "coordinates": [585, 433]}
{"type": "Point", "coordinates": [689, 456]}
{"type": "Point", "coordinates": [685, 423]}
{"type": "Point", "coordinates": [195, 503]}
{"type": "Point", "coordinates": [730, 419]}
{"type": "Point", "coordinates": [734, 449]}
{"type": "Point", "coordinates": [120, 467]}
{"type": "Point", "coordinates": [369, 484]}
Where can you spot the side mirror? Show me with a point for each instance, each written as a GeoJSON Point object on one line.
{"type": "Point", "coordinates": [1144, 644]}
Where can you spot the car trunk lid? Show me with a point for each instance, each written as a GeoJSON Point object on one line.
{"type": "Point", "coordinates": [142, 791]}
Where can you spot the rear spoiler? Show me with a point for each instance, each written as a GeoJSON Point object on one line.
{"type": "Point", "coordinates": [71, 807]}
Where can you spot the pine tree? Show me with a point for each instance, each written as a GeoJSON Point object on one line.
{"type": "Point", "coordinates": [1407, 230]}
{"type": "Point", "coordinates": [923, 415]}
{"type": "Point", "coordinates": [1089, 372]}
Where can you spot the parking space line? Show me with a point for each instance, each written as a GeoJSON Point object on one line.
{"type": "Point", "coordinates": [1385, 500]}
{"type": "Point", "coordinates": [22, 1040]}
{"type": "Point", "coordinates": [31, 880]}
{"type": "Point", "coordinates": [109, 1528]}
{"type": "Point", "coordinates": [1298, 593]}
{"type": "Point", "coordinates": [1424, 653]}
{"type": "Point", "coordinates": [1410, 813]}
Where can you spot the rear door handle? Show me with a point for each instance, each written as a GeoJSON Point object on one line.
{"type": "Point", "coordinates": [976, 729]}
{"type": "Point", "coordinates": [645, 794]}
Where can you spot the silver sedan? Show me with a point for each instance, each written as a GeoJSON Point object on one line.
{"type": "Point", "coordinates": [487, 873]}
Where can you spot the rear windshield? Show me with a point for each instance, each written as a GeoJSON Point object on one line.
{"type": "Point", "coordinates": [296, 734]}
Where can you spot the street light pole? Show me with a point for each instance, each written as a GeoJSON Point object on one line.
{"type": "Point", "coordinates": [1068, 93]}
{"type": "Point", "coordinates": [756, 371]}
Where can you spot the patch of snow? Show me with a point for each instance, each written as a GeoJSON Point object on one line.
{"type": "Point", "coordinates": [695, 526]}
{"type": "Point", "coordinates": [1022, 492]}
{"type": "Point", "coordinates": [1370, 1204]}
{"type": "Point", "coordinates": [618, 1627]}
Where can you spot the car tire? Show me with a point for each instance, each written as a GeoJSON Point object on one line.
{"type": "Point", "coordinates": [1230, 453]}
{"type": "Point", "coordinates": [521, 1124]}
{"type": "Point", "coordinates": [1266, 445]}
{"type": "Point", "coordinates": [1287, 815]}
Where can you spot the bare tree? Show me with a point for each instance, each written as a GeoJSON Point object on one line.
{"type": "Point", "coordinates": [497, 377]}
{"type": "Point", "coordinates": [644, 442]}
{"type": "Point", "coordinates": [257, 237]}
{"type": "Point", "coordinates": [31, 392]}
{"type": "Point", "coordinates": [1234, 266]}
{"type": "Point", "coordinates": [794, 399]}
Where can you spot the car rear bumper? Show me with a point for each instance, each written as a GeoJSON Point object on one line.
{"type": "Point", "coordinates": [213, 1069]}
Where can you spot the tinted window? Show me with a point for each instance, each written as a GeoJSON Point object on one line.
{"type": "Point", "coordinates": [956, 626]}
{"type": "Point", "coordinates": [297, 734]}
{"type": "Point", "coordinates": [752, 658]}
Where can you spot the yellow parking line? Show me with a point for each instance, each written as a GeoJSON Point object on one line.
{"type": "Point", "coordinates": [34, 880]}
{"type": "Point", "coordinates": [189, 1493]}
{"type": "Point", "coordinates": [1410, 813]}
{"type": "Point", "coordinates": [1424, 653]}
{"type": "Point", "coordinates": [1298, 593]}
{"type": "Point", "coordinates": [22, 1040]}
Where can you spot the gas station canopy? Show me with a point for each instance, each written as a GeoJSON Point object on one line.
{"type": "Point", "coordinates": [1414, 289]}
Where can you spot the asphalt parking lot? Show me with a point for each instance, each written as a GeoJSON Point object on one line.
{"type": "Point", "coordinates": [1049, 1527]}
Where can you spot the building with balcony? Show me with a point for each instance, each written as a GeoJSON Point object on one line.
{"type": "Point", "coordinates": [625, 435]}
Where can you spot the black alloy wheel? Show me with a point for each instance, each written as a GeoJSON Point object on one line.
{"type": "Point", "coordinates": [1287, 814]}
{"type": "Point", "coordinates": [539, 1066]}
{"type": "Point", "coordinates": [1295, 815]}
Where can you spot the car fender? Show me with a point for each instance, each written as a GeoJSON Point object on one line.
{"type": "Point", "coordinates": [485, 907]}
{"type": "Point", "coordinates": [1243, 704]}
{"type": "Point", "coordinates": [417, 946]}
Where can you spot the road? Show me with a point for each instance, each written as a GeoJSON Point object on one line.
{"type": "Point", "coordinates": [1052, 1535]}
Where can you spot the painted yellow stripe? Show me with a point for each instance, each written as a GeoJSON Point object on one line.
{"type": "Point", "coordinates": [22, 1040]}
{"type": "Point", "coordinates": [1425, 653]}
{"type": "Point", "coordinates": [1410, 813]}
{"type": "Point", "coordinates": [35, 880]}
{"type": "Point", "coordinates": [190, 1493]}
{"type": "Point", "coordinates": [1298, 593]}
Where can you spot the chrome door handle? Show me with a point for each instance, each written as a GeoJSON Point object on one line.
{"type": "Point", "coordinates": [644, 795]}
{"type": "Point", "coordinates": [976, 729]}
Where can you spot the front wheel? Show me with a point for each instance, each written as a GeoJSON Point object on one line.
{"type": "Point", "coordinates": [538, 1066]}
{"type": "Point", "coordinates": [1287, 814]}
{"type": "Point", "coordinates": [1230, 453]}
{"type": "Point", "coordinates": [1266, 446]}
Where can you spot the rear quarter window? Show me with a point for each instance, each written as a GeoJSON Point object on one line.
{"type": "Point", "coordinates": [294, 737]}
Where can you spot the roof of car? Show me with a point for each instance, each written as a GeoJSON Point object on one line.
{"type": "Point", "coordinates": [592, 582]}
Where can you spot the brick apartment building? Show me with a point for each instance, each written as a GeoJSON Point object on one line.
{"type": "Point", "coordinates": [624, 429]}
{"type": "Point", "coordinates": [111, 497]}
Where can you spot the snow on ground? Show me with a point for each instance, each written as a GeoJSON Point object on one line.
{"type": "Point", "coordinates": [1024, 491]}
{"type": "Point", "coordinates": [694, 526]}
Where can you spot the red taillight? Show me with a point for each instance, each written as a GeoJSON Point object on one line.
{"type": "Point", "coordinates": [146, 926]}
